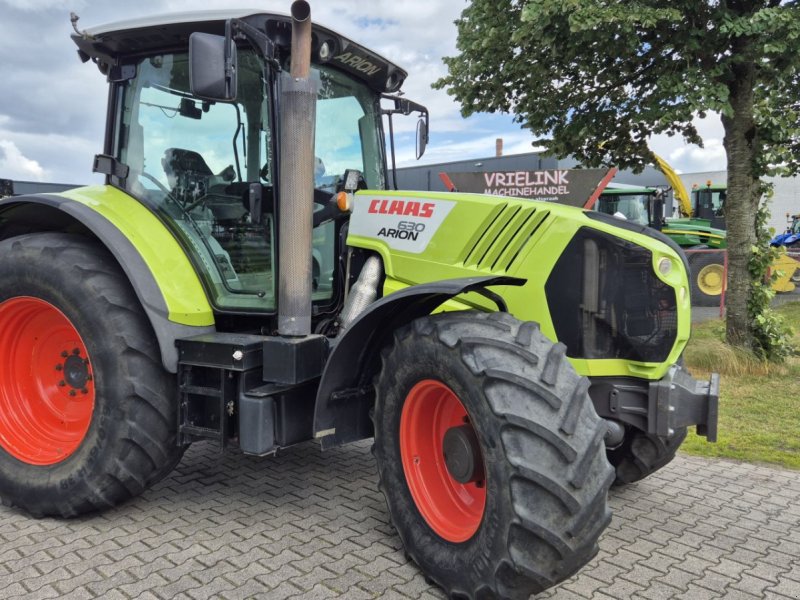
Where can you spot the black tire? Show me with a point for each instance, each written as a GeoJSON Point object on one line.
{"type": "Point", "coordinates": [131, 438]}
{"type": "Point", "coordinates": [546, 471]}
{"type": "Point", "coordinates": [698, 262]}
{"type": "Point", "coordinates": [642, 454]}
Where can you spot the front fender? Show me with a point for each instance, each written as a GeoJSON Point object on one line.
{"type": "Point", "coordinates": [344, 397]}
{"type": "Point", "coordinates": [157, 267]}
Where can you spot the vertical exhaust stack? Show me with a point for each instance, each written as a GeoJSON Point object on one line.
{"type": "Point", "coordinates": [298, 117]}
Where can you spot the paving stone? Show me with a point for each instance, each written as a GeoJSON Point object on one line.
{"type": "Point", "coordinates": [308, 525]}
{"type": "Point", "coordinates": [787, 587]}
{"type": "Point", "coordinates": [751, 585]}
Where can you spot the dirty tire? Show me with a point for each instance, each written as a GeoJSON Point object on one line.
{"type": "Point", "coordinates": [698, 262]}
{"type": "Point", "coordinates": [642, 454]}
{"type": "Point", "coordinates": [130, 440]}
{"type": "Point", "coordinates": [546, 473]}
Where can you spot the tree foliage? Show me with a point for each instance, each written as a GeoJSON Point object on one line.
{"type": "Point", "coordinates": [598, 78]}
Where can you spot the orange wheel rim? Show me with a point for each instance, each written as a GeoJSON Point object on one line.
{"type": "Point", "coordinates": [452, 509]}
{"type": "Point", "coordinates": [47, 391]}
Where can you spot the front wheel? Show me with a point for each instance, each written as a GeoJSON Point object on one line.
{"type": "Point", "coordinates": [642, 454]}
{"type": "Point", "coordinates": [87, 412]}
{"type": "Point", "coordinates": [490, 455]}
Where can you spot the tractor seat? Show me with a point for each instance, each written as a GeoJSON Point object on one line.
{"type": "Point", "coordinates": [177, 161]}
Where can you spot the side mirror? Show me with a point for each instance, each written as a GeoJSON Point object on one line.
{"type": "Point", "coordinates": [422, 137]}
{"type": "Point", "coordinates": [213, 65]}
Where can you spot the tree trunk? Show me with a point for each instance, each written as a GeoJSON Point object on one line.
{"type": "Point", "coordinates": [741, 204]}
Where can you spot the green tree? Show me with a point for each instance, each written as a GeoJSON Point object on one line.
{"type": "Point", "coordinates": [597, 78]}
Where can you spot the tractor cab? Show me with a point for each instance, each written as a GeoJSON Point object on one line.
{"type": "Point", "coordinates": [641, 205]}
{"type": "Point", "coordinates": [206, 161]}
{"type": "Point", "coordinates": [708, 203]}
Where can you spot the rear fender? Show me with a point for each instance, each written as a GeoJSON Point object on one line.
{"type": "Point", "coordinates": [158, 269]}
{"type": "Point", "coordinates": [345, 395]}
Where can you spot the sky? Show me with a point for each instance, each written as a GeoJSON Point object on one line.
{"type": "Point", "coordinates": [52, 107]}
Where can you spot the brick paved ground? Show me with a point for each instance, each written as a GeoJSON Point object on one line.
{"type": "Point", "coordinates": [312, 525]}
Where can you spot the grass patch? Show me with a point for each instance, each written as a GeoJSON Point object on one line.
{"type": "Point", "coordinates": [759, 418]}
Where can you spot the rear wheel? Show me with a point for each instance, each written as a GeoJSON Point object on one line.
{"type": "Point", "coordinates": [490, 455]}
{"type": "Point", "coordinates": [87, 412]}
{"type": "Point", "coordinates": [707, 278]}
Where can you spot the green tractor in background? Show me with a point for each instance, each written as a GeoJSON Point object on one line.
{"type": "Point", "coordinates": [645, 205]}
{"type": "Point", "coordinates": [245, 277]}
{"type": "Point", "coordinates": [700, 229]}
{"type": "Point", "coordinates": [703, 228]}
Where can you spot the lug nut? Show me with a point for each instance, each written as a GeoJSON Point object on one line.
{"type": "Point", "coordinates": [64, 354]}
{"type": "Point", "coordinates": [89, 378]}
{"type": "Point", "coordinates": [75, 351]}
{"type": "Point", "coordinates": [62, 383]}
{"type": "Point", "coordinates": [72, 392]}
{"type": "Point", "coordinates": [84, 391]}
{"type": "Point", "coordinates": [59, 367]}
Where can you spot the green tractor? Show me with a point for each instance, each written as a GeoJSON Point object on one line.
{"type": "Point", "coordinates": [704, 226]}
{"type": "Point", "coordinates": [645, 205]}
{"type": "Point", "coordinates": [640, 205]}
{"type": "Point", "coordinates": [245, 277]}
{"type": "Point", "coordinates": [703, 229]}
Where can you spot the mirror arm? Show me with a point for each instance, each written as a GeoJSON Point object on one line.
{"type": "Point", "coordinates": [256, 38]}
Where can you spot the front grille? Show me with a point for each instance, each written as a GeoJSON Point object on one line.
{"type": "Point", "coordinates": [606, 302]}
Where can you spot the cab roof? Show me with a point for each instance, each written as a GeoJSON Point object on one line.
{"type": "Point", "coordinates": [717, 187]}
{"type": "Point", "coordinates": [127, 41]}
{"type": "Point", "coordinates": [627, 190]}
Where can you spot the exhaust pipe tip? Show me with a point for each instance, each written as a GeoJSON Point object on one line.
{"type": "Point", "coordinates": [301, 39]}
{"type": "Point", "coordinates": [300, 11]}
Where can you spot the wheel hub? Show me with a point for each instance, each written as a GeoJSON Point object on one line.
{"type": "Point", "coordinates": [710, 280]}
{"type": "Point", "coordinates": [76, 371]}
{"type": "Point", "coordinates": [462, 454]}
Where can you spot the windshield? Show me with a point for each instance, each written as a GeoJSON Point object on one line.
{"type": "Point", "coordinates": [193, 161]}
{"type": "Point", "coordinates": [347, 135]}
{"type": "Point", "coordinates": [634, 207]}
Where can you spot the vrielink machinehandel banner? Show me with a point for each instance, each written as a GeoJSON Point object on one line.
{"type": "Point", "coordinates": [575, 187]}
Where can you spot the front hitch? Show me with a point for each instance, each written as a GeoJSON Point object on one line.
{"type": "Point", "coordinates": [679, 400]}
{"type": "Point", "coordinates": [660, 407]}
